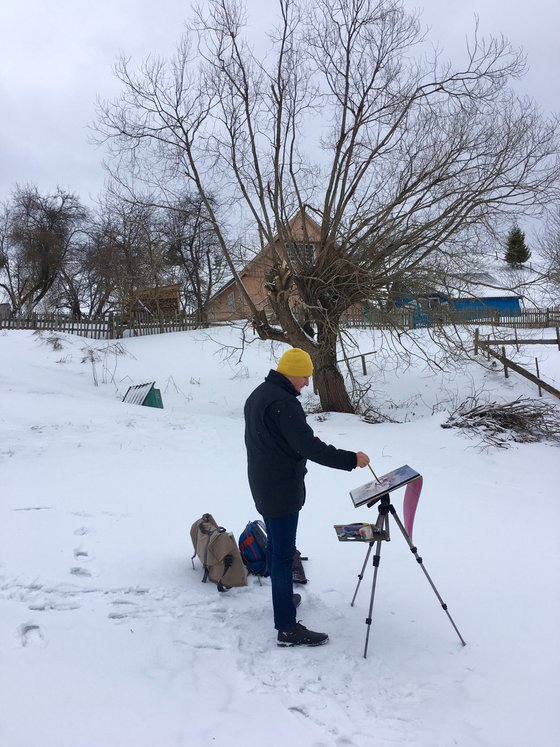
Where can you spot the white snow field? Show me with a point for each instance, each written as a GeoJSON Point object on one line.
{"type": "Point", "coordinates": [108, 638]}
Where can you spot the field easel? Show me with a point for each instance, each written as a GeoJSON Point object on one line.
{"type": "Point", "coordinates": [381, 533]}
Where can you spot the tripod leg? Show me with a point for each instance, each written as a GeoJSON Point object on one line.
{"type": "Point", "coordinates": [361, 575]}
{"type": "Point", "coordinates": [376, 560]}
{"type": "Point", "coordinates": [382, 523]}
{"type": "Point", "coordinates": [414, 551]}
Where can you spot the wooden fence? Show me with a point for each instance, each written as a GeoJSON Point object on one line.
{"type": "Point", "coordinates": [486, 347]}
{"type": "Point", "coordinates": [113, 327]}
{"type": "Point", "coordinates": [413, 318]}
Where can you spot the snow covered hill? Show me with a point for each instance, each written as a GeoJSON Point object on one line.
{"type": "Point", "coordinates": [109, 639]}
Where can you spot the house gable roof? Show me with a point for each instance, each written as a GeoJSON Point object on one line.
{"type": "Point", "coordinates": [301, 227]}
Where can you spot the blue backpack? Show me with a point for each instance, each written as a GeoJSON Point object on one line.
{"type": "Point", "coordinates": [252, 546]}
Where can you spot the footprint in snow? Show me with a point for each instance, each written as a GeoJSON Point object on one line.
{"type": "Point", "coordinates": [117, 615]}
{"type": "Point", "coordinates": [79, 571]}
{"type": "Point", "coordinates": [33, 508]}
{"type": "Point", "coordinates": [124, 608]}
{"type": "Point", "coordinates": [58, 607]}
{"type": "Point", "coordinates": [30, 634]}
{"type": "Point", "coordinates": [190, 644]}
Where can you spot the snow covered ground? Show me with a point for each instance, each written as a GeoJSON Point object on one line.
{"type": "Point", "coordinates": [109, 639]}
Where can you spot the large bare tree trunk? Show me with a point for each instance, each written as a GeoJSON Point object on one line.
{"type": "Point", "coordinates": [328, 380]}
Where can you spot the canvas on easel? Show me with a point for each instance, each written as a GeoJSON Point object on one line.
{"type": "Point", "coordinates": [372, 491]}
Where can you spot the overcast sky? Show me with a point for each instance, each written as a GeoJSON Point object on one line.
{"type": "Point", "coordinates": [56, 58]}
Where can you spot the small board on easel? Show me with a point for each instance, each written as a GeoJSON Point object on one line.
{"type": "Point", "coordinates": [372, 491]}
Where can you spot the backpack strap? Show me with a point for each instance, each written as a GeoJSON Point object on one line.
{"type": "Point", "coordinates": [228, 562]}
{"type": "Point", "coordinates": [200, 528]}
{"type": "Point", "coordinates": [210, 534]}
{"type": "Point", "coordinates": [247, 544]}
{"type": "Point", "coordinates": [194, 538]}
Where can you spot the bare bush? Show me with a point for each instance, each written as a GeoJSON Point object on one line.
{"type": "Point", "coordinates": [523, 420]}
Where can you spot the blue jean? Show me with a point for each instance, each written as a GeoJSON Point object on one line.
{"type": "Point", "coordinates": [281, 533]}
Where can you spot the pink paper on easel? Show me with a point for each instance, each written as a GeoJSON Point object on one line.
{"type": "Point", "coordinates": [411, 498]}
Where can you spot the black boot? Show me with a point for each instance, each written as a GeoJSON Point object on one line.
{"type": "Point", "coordinates": [298, 574]}
{"type": "Point", "coordinates": [300, 636]}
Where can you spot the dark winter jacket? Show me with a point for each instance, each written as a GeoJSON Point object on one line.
{"type": "Point", "coordinates": [279, 442]}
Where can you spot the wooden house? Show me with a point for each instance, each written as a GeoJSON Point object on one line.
{"type": "Point", "coordinates": [159, 301]}
{"type": "Point", "coordinates": [228, 304]}
{"type": "Point", "coordinates": [474, 295]}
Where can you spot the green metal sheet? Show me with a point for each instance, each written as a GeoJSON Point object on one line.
{"type": "Point", "coordinates": [153, 399]}
{"type": "Point", "coordinates": [144, 394]}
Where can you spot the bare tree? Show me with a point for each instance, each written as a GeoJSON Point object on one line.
{"type": "Point", "coordinates": [68, 291]}
{"type": "Point", "coordinates": [550, 250]}
{"type": "Point", "coordinates": [132, 246]}
{"type": "Point", "coordinates": [128, 253]}
{"type": "Point", "coordinates": [98, 269]}
{"type": "Point", "coordinates": [4, 248]}
{"type": "Point", "coordinates": [401, 159]}
{"type": "Point", "coordinates": [37, 234]}
{"type": "Point", "coordinates": [192, 252]}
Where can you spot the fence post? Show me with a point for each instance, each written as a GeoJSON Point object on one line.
{"type": "Point", "coordinates": [364, 369]}
{"type": "Point", "coordinates": [538, 376]}
{"type": "Point", "coordinates": [118, 327]}
{"type": "Point", "coordinates": [558, 337]}
{"type": "Point", "coordinates": [476, 333]}
{"type": "Point", "coordinates": [506, 373]}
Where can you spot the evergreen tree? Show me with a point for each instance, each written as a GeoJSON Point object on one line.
{"type": "Point", "coordinates": [517, 252]}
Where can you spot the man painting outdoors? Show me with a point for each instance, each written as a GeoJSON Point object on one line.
{"type": "Point", "coordinates": [279, 442]}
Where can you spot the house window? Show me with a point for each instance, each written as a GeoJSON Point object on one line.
{"type": "Point", "coordinates": [231, 301]}
{"type": "Point", "coordinates": [299, 252]}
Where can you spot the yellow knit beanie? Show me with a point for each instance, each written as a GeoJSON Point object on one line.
{"type": "Point", "coordinates": [295, 362]}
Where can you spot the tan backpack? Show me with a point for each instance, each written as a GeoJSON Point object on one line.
{"type": "Point", "coordinates": [219, 554]}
